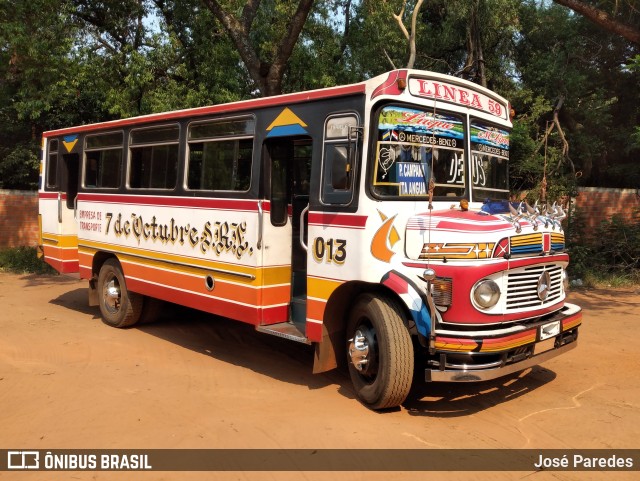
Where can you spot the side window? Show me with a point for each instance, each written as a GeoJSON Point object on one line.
{"type": "Point", "coordinates": [52, 164]}
{"type": "Point", "coordinates": [339, 159]}
{"type": "Point", "coordinates": [103, 160]}
{"type": "Point", "coordinates": [154, 158]}
{"type": "Point", "coordinates": [220, 155]}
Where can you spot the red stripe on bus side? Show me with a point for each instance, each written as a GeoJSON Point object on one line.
{"type": "Point", "coordinates": [338, 220]}
{"type": "Point", "coordinates": [52, 195]}
{"type": "Point", "coordinates": [314, 331]}
{"type": "Point", "coordinates": [248, 205]}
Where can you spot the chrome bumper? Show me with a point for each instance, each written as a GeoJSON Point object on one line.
{"type": "Point", "coordinates": [475, 375]}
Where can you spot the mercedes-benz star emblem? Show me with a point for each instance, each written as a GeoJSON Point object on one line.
{"type": "Point", "coordinates": [544, 284]}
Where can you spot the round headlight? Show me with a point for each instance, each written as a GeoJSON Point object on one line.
{"type": "Point", "coordinates": [486, 294]}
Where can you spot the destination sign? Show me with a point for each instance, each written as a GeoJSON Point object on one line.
{"type": "Point", "coordinates": [438, 90]}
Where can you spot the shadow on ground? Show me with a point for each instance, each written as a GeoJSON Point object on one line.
{"type": "Point", "coordinates": [445, 400]}
{"type": "Point", "coordinates": [287, 361]}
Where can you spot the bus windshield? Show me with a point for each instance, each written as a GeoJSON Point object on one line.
{"type": "Point", "coordinates": [489, 161]}
{"type": "Point", "coordinates": [414, 144]}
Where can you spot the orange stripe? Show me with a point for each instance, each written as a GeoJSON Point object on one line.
{"type": "Point", "coordinates": [502, 345]}
{"type": "Point", "coordinates": [276, 294]}
{"type": "Point", "coordinates": [232, 292]}
{"type": "Point", "coordinates": [571, 323]}
{"type": "Point", "coordinates": [315, 309]}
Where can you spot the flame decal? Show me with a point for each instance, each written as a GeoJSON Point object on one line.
{"type": "Point", "coordinates": [384, 239]}
{"type": "Point", "coordinates": [390, 86]}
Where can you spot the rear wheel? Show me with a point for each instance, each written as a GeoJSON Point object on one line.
{"type": "Point", "coordinates": [379, 352]}
{"type": "Point", "coordinates": [118, 306]}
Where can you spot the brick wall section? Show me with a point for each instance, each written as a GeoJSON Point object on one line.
{"type": "Point", "coordinates": [18, 218]}
{"type": "Point", "coordinates": [599, 204]}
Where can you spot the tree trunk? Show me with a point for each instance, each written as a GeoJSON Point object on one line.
{"type": "Point", "coordinates": [410, 36]}
{"type": "Point", "coordinates": [603, 19]}
{"type": "Point", "coordinates": [266, 73]}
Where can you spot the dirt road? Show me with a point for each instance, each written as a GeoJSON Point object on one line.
{"type": "Point", "coordinates": [195, 381]}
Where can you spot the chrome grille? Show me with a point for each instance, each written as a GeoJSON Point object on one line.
{"type": "Point", "coordinates": [522, 287]}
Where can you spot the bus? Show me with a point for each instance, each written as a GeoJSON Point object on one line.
{"type": "Point", "coordinates": [370, 220]}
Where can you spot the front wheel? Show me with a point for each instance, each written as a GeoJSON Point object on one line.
{"type": "Point", "coordinates": [118, 306]}
{"type": "Point", "coordinates": [379, 352]}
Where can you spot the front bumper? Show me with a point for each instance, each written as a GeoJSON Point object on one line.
{"type": "Point", "coordinates": [484, 355]}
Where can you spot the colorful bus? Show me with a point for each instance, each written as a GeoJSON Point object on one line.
{"type": "Point", "coordinates": [370, 220]}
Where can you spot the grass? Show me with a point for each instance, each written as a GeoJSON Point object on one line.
{"type": "Point", "coordinates": [22, 260]}
{"type": "Point", "coordinates": [598, 279]}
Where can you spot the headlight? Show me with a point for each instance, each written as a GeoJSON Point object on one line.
{"type": "Point", "coordinates": [486, 294]}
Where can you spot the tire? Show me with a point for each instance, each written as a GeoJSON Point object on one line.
{"type": "Point", "coordinates": [379, 353]}
{"type": "Point", "coordinates": [118, 306]}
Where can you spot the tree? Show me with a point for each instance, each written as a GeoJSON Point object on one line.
{"type": "Point", "coordinates": [36, 83]}
{"type": "Point", "coordinates": [410, 35]}
{"type": "Point", "coordinates": [612, 23]}
{"type": "Point", "coordinates": [573, 76]}
{"type": "Point", "coordinates": [265, 57]}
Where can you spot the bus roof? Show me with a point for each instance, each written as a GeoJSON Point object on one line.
{"type": "Point", "coordinates": [329, 92]}
{"type": "Point", "coordinates": [385, 84]}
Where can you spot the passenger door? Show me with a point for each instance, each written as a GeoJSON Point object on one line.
{"type": "Point", "coordinates": [58, 206]}
{"type": "Point", "coordinates": [287, 160]}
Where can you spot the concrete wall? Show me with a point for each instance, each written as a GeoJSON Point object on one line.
{"type": "Point", "coordinates": [18, 218]}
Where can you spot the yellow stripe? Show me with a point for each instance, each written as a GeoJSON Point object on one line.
{"type": "Point", "coordinates": [58, 240]}
{"type": "Point", "coordinates": [262, 276]}
{"type": "Point", "coordinates": [526, 239]}
{"type": "Point", "coordinates": [322, 288]}
{"type": "Point", "coordinates": [274, 275]}
{"type": "Point", "coordinates": [457, 347]}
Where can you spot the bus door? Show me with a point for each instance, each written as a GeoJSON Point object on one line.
{"type": "Point", "coordinates": [59, 207]}
{"type": "Point", "coordinates": [287, 160]}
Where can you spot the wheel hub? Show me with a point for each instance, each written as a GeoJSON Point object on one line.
{"type": "Point", "coordinates": [362, 351]}
{"type": "Point", "coordinates": [359, 351]}
{"type": "Point", "coordinates": [112, 296]}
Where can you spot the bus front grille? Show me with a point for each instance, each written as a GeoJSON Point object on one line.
{"type": "Point", "coordinates": [523, 285]}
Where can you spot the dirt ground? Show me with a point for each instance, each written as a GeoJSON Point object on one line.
{"type": "Point", "coordinates": [195, 381]}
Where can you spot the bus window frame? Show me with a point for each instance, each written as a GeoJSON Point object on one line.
{"type": "Point", "coordinates": [325, 197]}
{"type": "Point", "coordinates": [187, 153]}
{"type": "Point", "coordinates": [56, 185]}
{"type": "Point", "coordinates": [471, 165]}
{"type": "Point", "coordinates": [130, 145]}
{"type": "Point", "coordinates": [372, 153]}
{"type": "Point", "coordinates": [86, 149]}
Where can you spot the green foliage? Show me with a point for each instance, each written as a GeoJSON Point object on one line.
{"type": "Point", "coordinates": [22, 260]}
{"type": "Point", "coordinates": [19, 167]}
{"type": "Point", "coordinates": [617, 243]}
{"type": "Point", "coordinates": [573, 64]}
{"type": "Point", "coordinates": [579, 246]}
